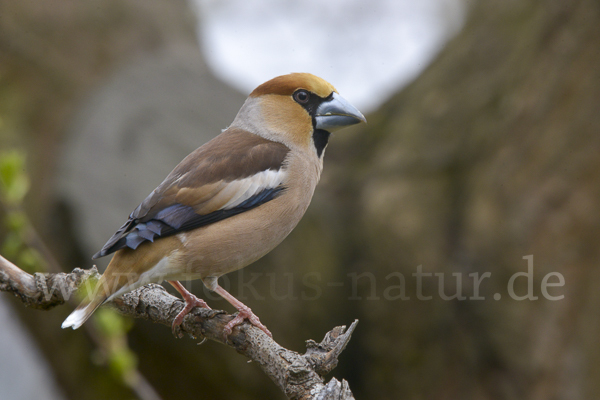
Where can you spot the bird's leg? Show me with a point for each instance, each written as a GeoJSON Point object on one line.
{"type": "Point", "coordinates": [244, 312]}
{"type": "Point", "coordinates": [191, 301]}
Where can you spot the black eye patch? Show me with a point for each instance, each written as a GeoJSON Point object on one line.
{"type": "Point", "coordinates": [309, 100]}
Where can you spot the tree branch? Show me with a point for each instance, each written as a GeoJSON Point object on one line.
{"type": "Point", "coordinates": [299, 376]}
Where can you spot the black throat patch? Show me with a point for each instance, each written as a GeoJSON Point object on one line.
{"type": "Point", "coordinates": [320, 138]}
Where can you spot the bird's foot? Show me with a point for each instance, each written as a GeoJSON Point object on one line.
{"type": "Point", "coordinates": [245, 313]}
{"type": "Point", "coordinates": [191, 302]}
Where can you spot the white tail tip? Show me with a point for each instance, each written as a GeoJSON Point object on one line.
{"type": "Point", "coordinates": [76, 318]}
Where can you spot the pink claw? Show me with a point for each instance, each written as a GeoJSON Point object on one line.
{"type": "Point", "coordinates": [245, 313]}
{"type": "Point", "coordinates": [191, 302]}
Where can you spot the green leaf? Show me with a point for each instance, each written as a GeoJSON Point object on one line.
{"type": "Point", "coordinates": [30, 260]}
{"type": "Point", "coordinates": [122, 362]}
{"type": "Point", "coordinates": [12, 245]}
{"type": "Point", "coordinates": [112, 324]}
{"type": "Point", "coordinates": [16, 221]}
{"type": "Point", "coordinates": [14, 182]}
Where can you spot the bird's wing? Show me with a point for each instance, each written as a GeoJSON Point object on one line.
{"type": "Point", "coordinates": [233, 173]}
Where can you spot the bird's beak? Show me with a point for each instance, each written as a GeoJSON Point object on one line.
{"type": "Point", "coordinates": [337, 113]}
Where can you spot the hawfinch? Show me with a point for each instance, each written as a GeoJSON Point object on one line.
{"type": "Point", "coordinates": [229, 202]}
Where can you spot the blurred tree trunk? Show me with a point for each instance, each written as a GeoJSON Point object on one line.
{"type": "Point", "coordinates": [491, 155]}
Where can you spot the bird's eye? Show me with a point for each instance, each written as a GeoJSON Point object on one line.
{"type": "Point", "coordinates": [301, 96]}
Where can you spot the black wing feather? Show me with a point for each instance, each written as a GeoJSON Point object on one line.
{"type": "Point", "coordinates": [175, 219]}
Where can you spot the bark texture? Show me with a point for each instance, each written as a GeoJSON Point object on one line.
{"type": "Point", "coordinates": [298, 376]}
{"type": "Point", "coordinates": [491, 155]}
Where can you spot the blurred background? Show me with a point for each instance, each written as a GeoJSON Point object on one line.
{"type": "Point", "coordinates": [482, 148]}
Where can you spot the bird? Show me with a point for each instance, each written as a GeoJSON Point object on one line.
{"type": "Point", "coordinates": [229, 202]}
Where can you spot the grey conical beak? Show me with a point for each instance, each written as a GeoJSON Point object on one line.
{"type": "Point", "coordinates": [337, 113]}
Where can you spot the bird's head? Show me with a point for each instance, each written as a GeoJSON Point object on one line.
{"type": "Point", "coordinates": [298, 110]}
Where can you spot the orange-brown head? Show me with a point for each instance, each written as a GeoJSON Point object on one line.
{"type": "Point", "coordinates": [286, 85]}
{"type": "Point", "coordinates": [299, 110]}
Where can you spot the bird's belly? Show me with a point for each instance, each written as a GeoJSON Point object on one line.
{"type": "Point", "coordinates": [238, 241]}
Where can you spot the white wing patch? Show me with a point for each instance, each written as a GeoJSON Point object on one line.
{"type": "Point", "coordinates": [248, 187]}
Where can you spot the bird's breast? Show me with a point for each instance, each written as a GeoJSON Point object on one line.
{"type": "Point", "coordinates": [238, 241]}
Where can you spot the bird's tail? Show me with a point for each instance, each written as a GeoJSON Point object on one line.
{"type": "Point", "coordinates": [87, 307]}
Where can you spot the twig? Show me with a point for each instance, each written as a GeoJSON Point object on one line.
{"type": "Point", "coordinates": [299, 376]}
{"type": "Point", "coordinates": [45, 291]}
